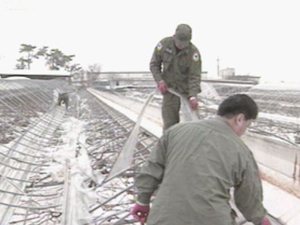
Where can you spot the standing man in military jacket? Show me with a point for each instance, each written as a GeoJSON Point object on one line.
{"type": "Point", "coordinates": [176, 63]}
{"type": "Point", "coordinates": [193, 167]}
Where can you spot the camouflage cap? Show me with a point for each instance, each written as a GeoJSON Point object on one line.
{"type": "Point", "coordinates": [183, 35]}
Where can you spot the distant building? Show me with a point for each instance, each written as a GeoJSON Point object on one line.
{"type": "Point", "coordinates": [253, 79]}
{"type": "Point", "coordinates": [33, 74]}
{"type": "Point", "coordinates": [229, 74]}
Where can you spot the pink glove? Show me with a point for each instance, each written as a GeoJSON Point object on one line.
{"type": "Point", "coordinates": [162, 87]}
{"type": "Point", "coordinates": [140, 212]}
{"type": "Point", "coordinates": [193, 103]}
{"type": "Point", "coordinates": [265, 221]}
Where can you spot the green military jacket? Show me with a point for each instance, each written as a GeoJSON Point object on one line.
{"type": "Point", "coordinates": [181, 71]}
{"type": "Point", "coordinates": [193, 167]}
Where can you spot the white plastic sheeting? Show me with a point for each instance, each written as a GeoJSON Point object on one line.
{"type": "Point", "coordinates": [126, 155]}
{"type": "Point", "coordinates": [209, 92]}
{"type": "Point", "coordinates": [71, 164]}
{"type": "Point", "coordinates": [187, 112]}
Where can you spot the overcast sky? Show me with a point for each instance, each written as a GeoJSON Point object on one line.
{"type": "Point", "coordinates": [256, 37]}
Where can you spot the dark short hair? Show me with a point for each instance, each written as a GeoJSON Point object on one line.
{"type": "Point", "coordinates": [236, 104]}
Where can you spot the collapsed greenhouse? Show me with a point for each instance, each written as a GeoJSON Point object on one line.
{"type": "Point", "coordinates": [58, 164]}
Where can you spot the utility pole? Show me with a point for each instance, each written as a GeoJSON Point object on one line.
{"type": "Point", "coordinates": [218, 67]}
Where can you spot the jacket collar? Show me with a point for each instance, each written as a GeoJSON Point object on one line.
{"type": "Point", "coordinates": [172, 49]}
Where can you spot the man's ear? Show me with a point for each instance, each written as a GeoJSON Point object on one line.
{"type": "Point", "coordinates": [240, 118]}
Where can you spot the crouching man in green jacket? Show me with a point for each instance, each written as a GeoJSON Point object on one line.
{"type": "Point", "coordinates": [193, 167]}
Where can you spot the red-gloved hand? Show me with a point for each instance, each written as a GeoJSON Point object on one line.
{"type": "Point", "coordinates": [265, 221]}
{"type": "Point", "coordinates": [140, 212]}
{"type": "Point", "coordinates": [162, 87]}
{"type": "Point", "coordinates": [193, 103]}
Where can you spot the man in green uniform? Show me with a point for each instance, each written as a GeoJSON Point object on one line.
{"type": "Point", "coordinates": [195, 164]}
{"type": "Point", "coordinates": [63, 98]}
{"type": "Point", "coordinates": [176, 64]}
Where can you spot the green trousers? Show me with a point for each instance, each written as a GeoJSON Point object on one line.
{"type": "Point", "coordinates": [170, 110]}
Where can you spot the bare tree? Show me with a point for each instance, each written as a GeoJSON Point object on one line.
{"type": "Point", "coordinates": [93, 73]}
{"type": "Point", "coordinates": [94, 68]}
